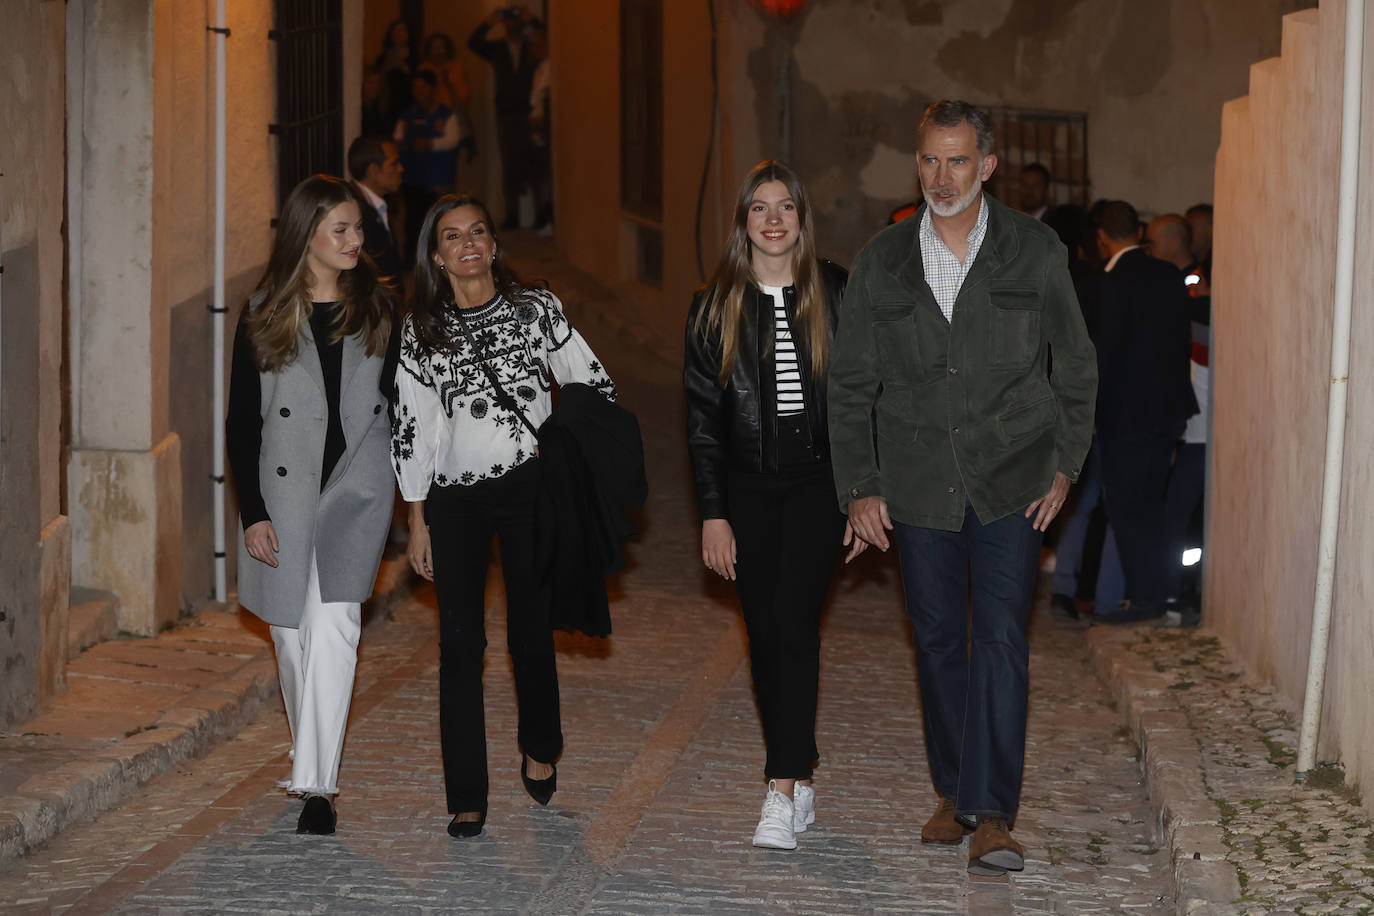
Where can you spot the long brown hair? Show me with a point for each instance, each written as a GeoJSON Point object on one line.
{"type": "Point", "coordinates": [280, 309]}
{"type": "Point", "coordinates": [431, 300]}
{"type": "Point", "coordinates": [723, 315]}
{"type": "Point", "coordinates": [279, 312]}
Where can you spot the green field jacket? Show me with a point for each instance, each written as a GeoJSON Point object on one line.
{"type": "Point", "coordinates": [929, 413]}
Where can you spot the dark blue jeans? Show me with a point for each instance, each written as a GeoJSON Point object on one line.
{"type": "Point", "coordinates": [972, 658]}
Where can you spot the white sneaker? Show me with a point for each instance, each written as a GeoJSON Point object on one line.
{"type": "Point", "coordinates": [775, 823]}
{"type": "Point", "coordinates": [803, 807]}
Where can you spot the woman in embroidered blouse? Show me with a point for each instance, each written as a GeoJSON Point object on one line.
{"type": "Point", "coordinates": [758, 337]}
{"type": "Point", "coordinates": [465, 455]}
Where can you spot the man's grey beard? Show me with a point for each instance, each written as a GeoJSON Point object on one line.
{"type": "Point", "coordinates": [960, 204]}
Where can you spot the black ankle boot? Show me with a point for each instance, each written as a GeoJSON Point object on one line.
{"type": "Point", "coordinates": [317, 816]}
{"type": "Point", "coordinates": [541, 790]}
{"type": "Point", "coordinates": [464, 829]}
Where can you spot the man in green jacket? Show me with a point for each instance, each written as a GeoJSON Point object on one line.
{"type": "Point", "coordinates": [948, 429]}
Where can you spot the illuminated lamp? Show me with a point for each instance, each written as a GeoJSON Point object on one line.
{"type": "Point", "coordinates": [782, 9]}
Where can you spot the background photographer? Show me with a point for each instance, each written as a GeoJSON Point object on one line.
{"type": "Point", "coordinates": [513, 63]}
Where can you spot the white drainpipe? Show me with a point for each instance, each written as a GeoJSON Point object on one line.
{"type": "Point", "coordinates": [1339, 386]}
{"type": "Point", "coordinates": [221, 33]}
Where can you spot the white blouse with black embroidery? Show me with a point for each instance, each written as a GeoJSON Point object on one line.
{"type": "Point", "coordinates": [449, 429]}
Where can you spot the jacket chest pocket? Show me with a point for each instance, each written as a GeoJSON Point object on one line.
{"type": "Point", "coordinates": [1014, 327]}
{"type": "Point", "coordinates": [896, 340]}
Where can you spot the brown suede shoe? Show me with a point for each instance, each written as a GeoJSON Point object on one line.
{"type": "Point", "coordinates": [942, 828]}
{"type": "Point", "coordinates": [992, 850]}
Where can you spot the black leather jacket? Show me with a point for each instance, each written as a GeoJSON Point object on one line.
{"type": "Point", "coordinates": [735, 427]}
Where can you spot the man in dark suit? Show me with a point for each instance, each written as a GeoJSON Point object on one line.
{"type": "Point", "coordinates": [1145, 397]}
{"type": "Point", "coordinates": [375, 166]}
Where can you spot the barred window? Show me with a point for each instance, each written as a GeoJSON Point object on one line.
{"type": "Point", "coordinates": [309, 125]}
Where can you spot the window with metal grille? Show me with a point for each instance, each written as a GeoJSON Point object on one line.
{"type": "Point", "coordinates": [309, 127]}
{"type": "Point", "coordinates": [1058, 140]}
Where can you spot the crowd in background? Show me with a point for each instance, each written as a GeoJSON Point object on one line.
{"type": "Point", "coordinates": [1128, 547]}
{"type": "Point", "coordinates": [416, 109]}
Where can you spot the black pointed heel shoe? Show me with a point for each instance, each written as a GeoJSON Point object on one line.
{"type": "Point", "coordinates": [464, 829]}
{"type": "Point", "coordinates": [541, 790]}
{"type": "Point", "coordinates": [317, 817]}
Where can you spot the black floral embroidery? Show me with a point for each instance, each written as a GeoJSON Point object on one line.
{"type": "Point", "coordinates": [517, 341]}
{"type": "Point", "coordinates": [403, 437]}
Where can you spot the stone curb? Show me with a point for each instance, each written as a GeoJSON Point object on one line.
{"type": "Point", "coordinates": [1205, 883]}
{"type": "Point", "coordinates": [78, 790]}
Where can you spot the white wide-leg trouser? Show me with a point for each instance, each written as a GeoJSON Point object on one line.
{"type": "Point", "coordinates": [315, 665]}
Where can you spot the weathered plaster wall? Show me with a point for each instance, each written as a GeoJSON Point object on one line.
{"type": "Point", "coordinates": [1151, 76]}
{"type": "Point", "coordinates": [585, 49]}
{"type": "Point", "coordinates": [1272, 307]}
{"type": "Point", "coordinates": [34, 537]}
{"type": "Point", "coordinates": [586, 88]}
{"type": "Point", "coordinates": [184, 232]}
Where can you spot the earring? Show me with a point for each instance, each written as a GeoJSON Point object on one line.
{"type": "Point", "coordinates": [442, 268]}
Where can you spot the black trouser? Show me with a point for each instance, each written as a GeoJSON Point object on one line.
{"type": "Point", "coordinates": [517, 148]}
{"type": "Point", "coordinates": [787, 533]}
{"type": "Point", "coordinates": [462, 520]}
{"type": "Point", "coordinates": [1135, 473]}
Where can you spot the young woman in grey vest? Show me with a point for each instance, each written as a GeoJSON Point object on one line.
{"type": "Point", "coordinates": [307, 437]}
{"type": "Point", "coordinates": [479, 355]}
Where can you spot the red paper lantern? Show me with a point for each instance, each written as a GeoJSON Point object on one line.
{"type": "Point", "coordinates": [782, 9]}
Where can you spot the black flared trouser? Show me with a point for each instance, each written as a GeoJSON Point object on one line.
{"type": "Point", "coordinates": [462, 521]}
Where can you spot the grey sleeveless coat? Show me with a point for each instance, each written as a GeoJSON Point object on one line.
{"type": "Point", "coordinates": [346, 523]}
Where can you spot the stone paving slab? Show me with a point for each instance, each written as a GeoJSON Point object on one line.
{"type": "Point", "coordinates": [134, 709]}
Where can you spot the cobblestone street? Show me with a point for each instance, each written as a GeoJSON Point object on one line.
{"type": "Point", "coordinates": [660, 783]}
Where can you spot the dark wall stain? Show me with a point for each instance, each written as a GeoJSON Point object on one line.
{"type": "Point", "coordinates": [843, 135]}
{"type": "Point", "coordinates": [924, 12]}
{"type": "Point", "coordinates": [20, 522]}
{"type": "Point", "coordinates": [190, 417]}
{"type": "Point", "coordinates": [982, 61]}
{"type": "Point", "coordinates": [190, 412]}
{"type": "Point", "coordinates": [1139, 52]}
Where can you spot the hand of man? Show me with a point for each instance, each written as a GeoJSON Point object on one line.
{"type": "Point", "coordinates": [718, 547]}
{"type": "Point", "coordinates": [261, 540]}
{"type": "Point", "coordinates": [856, 545]}
{"type": "Point", "coordinates": [1047, 507]}
{"type": "Point", "coordinates": [868, 519]}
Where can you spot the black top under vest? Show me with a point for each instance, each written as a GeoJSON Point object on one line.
{"type": "Point", "coordinates": [243, 422]}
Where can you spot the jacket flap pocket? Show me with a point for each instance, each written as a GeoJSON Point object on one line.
{"type": "Point", "coordinates": [892, 308]}
{"type": "Point", "coordinates": [1029, 419]}
{"type": "Point", "coordinates": [1013, 295]}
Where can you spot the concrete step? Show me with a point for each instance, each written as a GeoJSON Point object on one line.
{"type": "Point", "coordinates": [92, 619]}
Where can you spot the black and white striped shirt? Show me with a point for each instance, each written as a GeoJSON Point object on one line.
{"type": "Point", "coordinates": [791, 400]}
